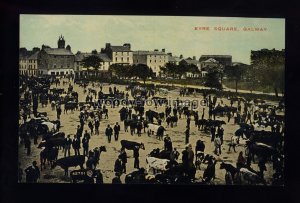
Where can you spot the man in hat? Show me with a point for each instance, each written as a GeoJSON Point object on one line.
{"type": "Point", "coordinates": [116, 131]}
{"type": "Point", "coordinates": [136, 157]}
{"type": "Point", "coordinates": [32, 173]}
{"type": "Point", "coordinates": [67, 145]}
{"type": "Point", "coordinates": [108, 133]}
{"type": "Point", "coordinates": [76, 145]}
{"type": "Point", "coordinates": [187, 135]}
{"type": "Point", "coordinates": [123, 156]}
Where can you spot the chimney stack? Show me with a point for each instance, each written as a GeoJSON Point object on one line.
{"type": "Point", "coordinates": [181, 56]}
{"type": "Point", "coordinates": [163, 50]}
{"type": "Point", "coordinates": [194, 57]}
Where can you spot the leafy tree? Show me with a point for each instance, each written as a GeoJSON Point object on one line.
{"type": "Point", "coordinates": [92, 61]}
{"type": "Point", "coordinates": [212, 78]}
{"type": "Point", "coordinates": [141, 71]}
{"type": "Point", "coordinates": [235, 73]}
{"type": "Point", "coordinates": [94, 51]}
{"type": "Point", "coordinates": [271, 67]}
{"type": "Point", "coordinates": [120, 70]}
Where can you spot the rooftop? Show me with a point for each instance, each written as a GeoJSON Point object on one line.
{"type": "Point", "coordinates": [81, 56]}
{"type": "Point", "coordinates": [149, 53]}
{"type": "Point", "coordinates": [120, 48]}
{"type": "Point", "coordinates": [58, 51]}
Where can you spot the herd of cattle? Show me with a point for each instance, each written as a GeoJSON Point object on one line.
{"type": "Point", "coordinates": [259, 143]}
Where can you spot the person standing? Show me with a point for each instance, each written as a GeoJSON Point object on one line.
{"type": "Point", "coordinates": [85, 145]}
{"type": "Point", "coordinates": [67, 145]}
{"type": "Point", "coordinates": [118, 165]}
{"type": "Point", "coordinates": [97, 125]}
{"type": "Point", "coordinates": [76, 145]}
{"type": "Point", "coordinates": [185, 158]}
{"type": "Point", "coordinates": [58, 111]}
{"type": "Point", "coordinates": [187, 135]}
{"type": "Point", "coordinates": [91, 127]}
{"type": "Point", "coordinates": [27, 144]}
{"type": "Point", "coordinates": [32, 173]}
{"type": "Point", "coordinates": [117, 131]}
{"type": "Point", "coordinates": [123, 156]}
{"type": "Point", "coordinates": [108, 133]}
{"type": "Point", "coordinates": [213, 133]}
{"type": "Point", "coordinates": [218, 145]}
{"type": "Point", "coordinates": [136, 157]}
{"type": "Point", "coordinates": [228, 116]}
{"type": "Point", "coordinates": [221, 133]}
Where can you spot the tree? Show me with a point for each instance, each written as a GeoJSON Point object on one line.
{"type": "Point", "coordinates": [235, 73]}
{"type": "Point", "coordinates": [141, 71]}
{"type": "Point", "coordinates": [212, 79]}
{"type": "Point", "coordinates": [271, 67]}
{"type": "Point", "coordinates": [92, 61]}
{"type": "Point", "coordinates": [94, 51]}
{"type": "Point", "coordinates": [120, 70]}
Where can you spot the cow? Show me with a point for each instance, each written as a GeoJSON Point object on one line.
{"type": "Point", "coordinates": [54, 142]}
{"type": "Point", "coordinates": [172, 120]}
{"type": "Point", "coordinates": [130, 145]}
{"type": "Point", "coordinates": [70, 105]}
{"type": "Point", "coordinates": [49, 155]}
{"type": "Point", "coordinates": [71, 161]}
{"type": "Point", "coordinates": [260, 150]}
{"type": "Point", "coordinates": [157, 164]}
{"type": "Point", "coordinates": [136, 177]}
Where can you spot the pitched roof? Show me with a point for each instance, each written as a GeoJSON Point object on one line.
{"type": "Point", "coordinates": [34, 56]}
{"type": "Point", "coordinates": [174, 58]}
{"type": "Point", "coordinates": [216, 56]}
{"type": "Point", "coordinates": [120, 48]}
{"type": "Point", "coordinates": [81, 56]}
{"type": "Point", "coordinates": [192, 61]}
{"type": "Point", "coordinates": [149, 53]}
{"type": "Point", "coordinates": [211, 60]}
{"type": "Point", "coordinates": [58, 51]}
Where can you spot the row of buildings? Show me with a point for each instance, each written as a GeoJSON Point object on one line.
{"type": "Point", "coordinates": [62, 61]}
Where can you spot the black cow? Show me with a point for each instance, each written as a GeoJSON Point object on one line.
{"type": "Point", "coordinates": [260, 150]}
{"type": "Point", "coordinates": [71, 161]}
{"type": "Point", "coordinates": [70, 106]}
{"type": "Point", "coordinates": [49, 155]}
{"type": "Point", "coordinates": [54, 142]}
{"type": "Point", "coordinates": [130, 145]}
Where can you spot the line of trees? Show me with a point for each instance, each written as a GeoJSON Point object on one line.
{"type": "Point", "coordinates": [177, 71]}
{"type": "Point", "coordinates": [136, 71]}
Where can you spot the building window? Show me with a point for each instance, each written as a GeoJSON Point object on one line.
{"type": "Point", "coordinates": [127, 59]}
{"type": "Point", "coordinates": [116, 53]}
{"type": "Point", "coordinates": [122, 59]}
{"type": "Point", "coordinates": [116, 59]}
{"type": "Point", "coordinates": [150, 61]}
{"type": "Point", "coordinates": [154, 61]}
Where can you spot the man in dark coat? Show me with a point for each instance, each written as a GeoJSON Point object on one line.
{"type": "Point", "coordinates": [85, 145]}
{"type": "Point", "coordinates": [97, 125]}
{"type": "Point", "coordinates": [136, 157]}
{"type": "Point", "coordinates": [116, 131]}
{"type": "Point", "coordinates": [123, 156]}
{"type": "Point", "coordinates": [213, 133]}
{"type": "Point", "coordinates": [76, 145]}
{"type": "Point", "coordinates": [108, 133]}
{"type": "Point", "coordinates": [118, 165]}
{"type": "Point", "coordinates": [187, 135]}
{"type": "Point", "coordinates": [67, 145]}
{"type": "Point", "coordinates": [32, 173]}
{"type": "Point", "coordinates": [185, 158]}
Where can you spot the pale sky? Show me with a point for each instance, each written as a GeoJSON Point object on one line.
{"type": "Point", "coordinates": [174, 33]}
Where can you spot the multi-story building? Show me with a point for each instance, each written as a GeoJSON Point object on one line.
{"type": "Point", "coordinates": [209, 63]}
{"type": "Point", "coordinates": [118, 54]}
{"type": "Point", "coordinates": [33, 65]}
{"type": "Point", "coordinates": [192, 61]}
{"type": "Point", "coordinates": [225, 60]}
{"type": "Point", "coordinates": [81, 71]}
{"type": "Point", "coordinates": [174, 59]}
{"type": "Point", "coordinates": [153, 59]}
{"type": "Point", "coordinates": [56, 61]}
{"type": "Point", "coordinates": [28, 61]}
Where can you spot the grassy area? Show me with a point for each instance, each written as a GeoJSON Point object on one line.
{"type": "Point", "coordinates": [247, 86]}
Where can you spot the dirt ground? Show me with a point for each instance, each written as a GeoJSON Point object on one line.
{"type": "Point", "coordinates": [70, 121]}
